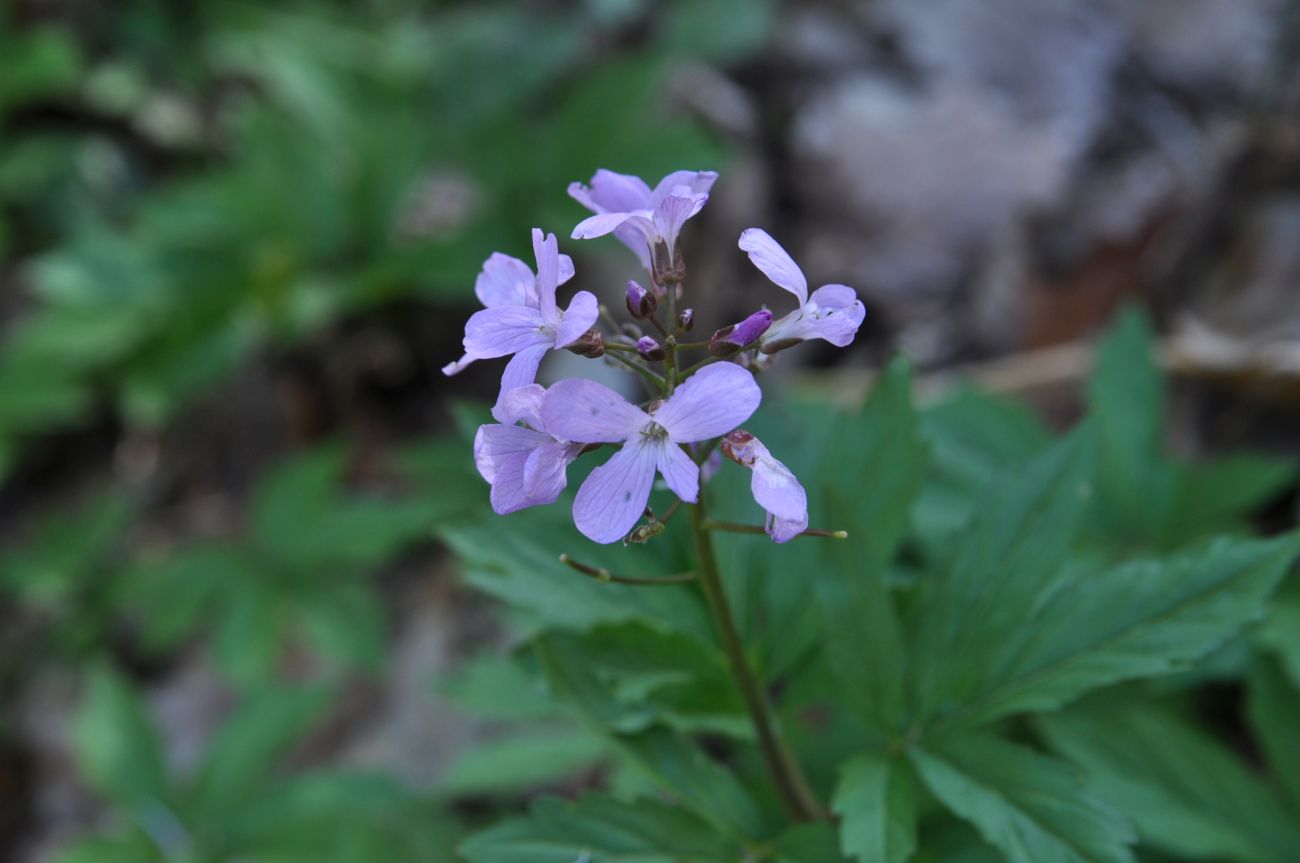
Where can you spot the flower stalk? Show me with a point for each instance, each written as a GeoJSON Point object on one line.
{"type": "Point", "coordinates": [795, 792]}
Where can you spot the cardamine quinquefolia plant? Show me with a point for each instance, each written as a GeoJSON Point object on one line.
{"type": "Point", "coordinates": [697, 396]}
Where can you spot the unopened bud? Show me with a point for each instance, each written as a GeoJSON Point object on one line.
{"type": "Point", "coordinates": [729, 340]}
{"type": "Point", "coordinates": [686, 320]}
{"type": "Point", "coordinates": [640, 302]}
{"type": "Point", "coordinates": [589, 344]}
{"type": "Point", "coordinates": [650, 349]}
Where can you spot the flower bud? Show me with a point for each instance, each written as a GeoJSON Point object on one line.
{"type": "Point", "coordinates": [650, 349]}
{"type": "Point", "coordinates": [589, 344]}
{"type": "Point", "coordinates": [686, 320]}
{"type": "Point", "coordinates": [736, 445]}
{"type": "Point", "coordinates": [729, 340]}
{"type": "Point", "coordinates": [640, 302]}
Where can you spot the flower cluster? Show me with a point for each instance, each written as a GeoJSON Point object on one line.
{"type": "Point", "coordinates": [690, 408]}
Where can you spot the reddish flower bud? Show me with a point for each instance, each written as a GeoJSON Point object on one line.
{"type": "Point", "coordinates": [589, 344]}
{"type": "Point", "coordinates": [686, 320]}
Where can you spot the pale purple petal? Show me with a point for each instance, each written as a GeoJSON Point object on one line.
{"type": "Point", "coordinates": [548, 273]}
{"type": "Point", "coordinates": [612, 499]}
{"type": "Point", "coordinates": [598, 225]}
{"type": "Point", "coordinates": [612, 192]}
{"type": "Point", "coordinates": [546, 471]}
{"type": "Point", "coordinates": [673, 211]}
{"type": "Point", "coordinates": [458, 366]}
{"type": "Point", "coordinates": [696, 182]}
{"type": "Point", "coordinates": [505, 281]}
{"type": "Point", "coordinates": [579, 317]}
{"type": "Point", "coordinates": [834, 313]}
{"type": "Point", "coordinates": [774, 261]}
{"type": "Point", "coordinates": [776, 489]}
{"type": "Point", "coordinates": [522, 403]}
{"type": "Point", "coordinates": [637, 234]}
{"type": "Point", "coordinates": [519, 372]}
{"type": "Point", "coordinates": [679, 471]}
{"type": "Point", "coordinates": [784, 530]}
{"type": "Point", "coordinates": [508, 494]}
{"type": "Point", "coordinates": [503, 330]}
{"type": "Point", "coordinates": [711, 402]}
{"type": "Point", "coordinates": [496, 444]}
{"type": "Point", "coordinates": [566, 269]}
{"type": "Point", "coordinates": [588, 412]}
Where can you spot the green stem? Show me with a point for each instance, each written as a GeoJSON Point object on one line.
{"type": "Point", "coordinates": [601, 574]}
{"type": "Point", "coordinates": [654, 379]}
{"type": "Point", "coordinates": [793, 787]}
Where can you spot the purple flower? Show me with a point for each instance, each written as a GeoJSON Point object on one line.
{"type": "Point", "coordinates": [640, 302]}
{"type": "Point", "coordinates": [525, 465]}
{"type": "Point", "coordinates": [521, 319]}
{"type": "Point", "coordinates": [710, 403]}
{"type": "Point", "coordinates": [833, 312]}
{"type": "Point", "coordinates": [729, 340]}
{"type": "Point", "coordinates": [775, 488]}
{"type": "Point", "coordinates": [641, 217]}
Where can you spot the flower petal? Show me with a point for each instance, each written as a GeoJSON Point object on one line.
{"type": "Point", "coordinates": [496, 444]}
{"type": "Point", "coordinates": [546, 471]}
{"type": "Point", "coordinates": [566, 269]}
{"type": "Point", "coordinates": [612, 192]}
{"type": "Point", "coordinates": [612, 499]}
{"type": "Point", "coordinates": [767, 254]}
{"type": "Point", "coordinates": [519, 372]}
{"type": "Point", "coordinates": [784, 530]}
{"type": "Point", "coordinates": [588, 412]}
{"type": "Point", "coordinates": [598, 225]}
{"type": "Point", "coordinates": [458, 366]}
{"type": "Point", "coordinates": [522, 403]}
{"type": "Point", "coordinates": [698, 182]}
{"type": "Point", "coordinates": [834, 313]}
{"type": "Point", "coordinates": [673, 211]}
{"type": "Point", "coordinates": [679, 471]}
{"type": "Point", "coordinates": [547, 252]}
{"type": "Point", "coordinates": [579, 317]}
{"type": "Point", "coordinates": [503, 330]}
{"type": "Point", "coordinates": [508, 493]}
{"type": "Point", "coordinates": [777, 490]}
{"type": "Point", "coordinates": [505, 281]}
{"type": "Point", "coordinates": [711, 402]}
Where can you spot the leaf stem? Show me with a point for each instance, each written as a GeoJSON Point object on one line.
{"type": "Point", "coordinates": [655, 380]}
{"type": "Point", "coordinates": [792, 785]}
{"type": "Point", "coordinates": [599, 573]}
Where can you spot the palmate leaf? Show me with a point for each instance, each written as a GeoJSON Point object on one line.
{"type": "Point", "coordinates": [1031, 806]}
{"type": "Point", "coordinates": [1136, 620]}
{"type": "Point", "coordinates": [600, 829]}
{"type": "Point", "coordinates": [1186, 793]}
{"type": "Point", "coordinates": [861, 633]}
{"type": "Point", "coordinates": [1004, 564]}
{"type": "Point", "coordinates": [876, 802]}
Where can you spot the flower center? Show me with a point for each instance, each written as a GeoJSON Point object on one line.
{"type": "Point", "coordinates": [654, 430]}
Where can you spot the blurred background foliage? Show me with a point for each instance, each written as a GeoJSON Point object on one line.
{"type": "Point", "coordinates": [238, 240]}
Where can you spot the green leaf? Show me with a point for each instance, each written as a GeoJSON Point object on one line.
{"type": "Point", "coordinates": [1135, 620]}
{"type": "Point", "coordinates": [808, 843]}
{"type": "Point", "coordinates": [1029, 805]}
{"type": "Point", "coordinates": [491, 686]}
{"type": "Point", "coordinates": [1274, 712]}
{"type": "Point", "coordinates": [1126, 395]}
{"type": "Point", "coordinates": [1280, 631]}
{"type": "Point", "coordinates": [861, 632]}
{"type": "Point", "coordinates": [876, 802]}
{"type": "Point", "coordinates": [1223, 494]}
{"type": "Point", "coordinates": [1186, 793]}
{"type": "Point", "coordinates": [522, 762]}
{"type": "Point", "coordinates": [1002, 566]}
{"type": "Point", "coordinates": [117, 747]}
{"type": "Point", "coordinates": [246, 747]}
{"type": "Point", "coordinates": [600, 829]}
